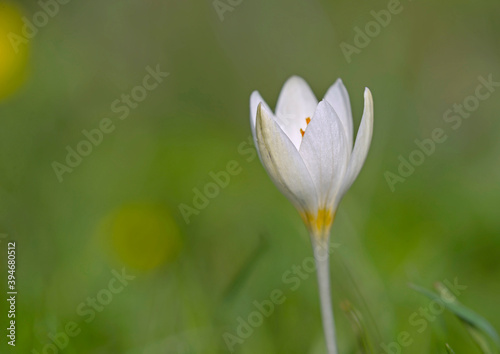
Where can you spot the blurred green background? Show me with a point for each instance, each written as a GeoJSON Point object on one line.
{"type": "Point", "coordinates": [119, 208]}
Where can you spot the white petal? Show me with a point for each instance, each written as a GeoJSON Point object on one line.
{"type": "Point", "coordinates": [325, 152]}
{"type": "Point", "coordinates": [255, 100]}
{"type": "Point", "coordinates": [363, 140]}
{"type": "Point", "coordinates": [284, 164]}
{"type": "Point", "coordinates": [338, 97]}
{"type": "Point", "coordinates": [296, 102]}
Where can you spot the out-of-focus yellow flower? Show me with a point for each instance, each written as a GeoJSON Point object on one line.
{"type": "Point", "coordinates": [144, 236]}
{"type": "Point", "coordinates": [13, 53]}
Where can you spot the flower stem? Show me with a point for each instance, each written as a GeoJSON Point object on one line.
{"type": "Point", "coordinates": [321, 255]}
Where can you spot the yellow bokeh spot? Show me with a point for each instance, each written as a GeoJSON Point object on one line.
{"type": "Point", "coordinates": [143, 236]}
{"type": "Point", "coordinates": [14, 49]}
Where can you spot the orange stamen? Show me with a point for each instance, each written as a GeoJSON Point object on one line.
{"type": "Point", "coordinates": [308, 120]}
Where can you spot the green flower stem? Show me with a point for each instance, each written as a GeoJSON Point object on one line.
{"type": "Point", "coordinates": [321, 255]}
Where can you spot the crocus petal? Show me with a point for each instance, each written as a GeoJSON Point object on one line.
{"type": "Point", "coordinates": [362, 145]}
{"type": "Point", "coordinates": [283, 163]}
{"type": "Point", "coordinates": [338, 98]}
{"type": "Point", "coordinates": [325, 153]}
{"type": "Point", "coordinates": [296, 102]}
{"type": "Point", "coordinates": [255, 100]}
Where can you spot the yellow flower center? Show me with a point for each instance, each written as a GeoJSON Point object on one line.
{"type": "Point", "coordinates": [319, 224]}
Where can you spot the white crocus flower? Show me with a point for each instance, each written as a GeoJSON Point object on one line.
{"type": "Point", "coordinates": [307, 149]}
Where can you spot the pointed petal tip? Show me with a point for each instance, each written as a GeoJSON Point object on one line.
{"type": "Point", "coordinates": [368, 110]}
{"type": "Point", "coordinates": [260, 119]}
{"type": "Point", "coordinates": [295, 79]}
{"type": "Point", "coordinates": [338, 84]}
{"type": "Point", "coordinates": [255, 101]}
{"type": "Point", "coordinates": [368, 99]}
{"type": "Point", "coordinates": [255, 96]}
{"type": "Point", "coordinates": [262, 111]}
{"type": "Point", "coordinates": [323, 104]}
{"type": "Point", "coordinates": [259, 110]}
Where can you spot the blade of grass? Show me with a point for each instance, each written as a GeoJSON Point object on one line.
{"type": "Point", "coordinates": [466, 315]}
{"type": "Point", "coordinates": [449, 350]}
{"type": "Point", "coordinates": [358, 325]}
